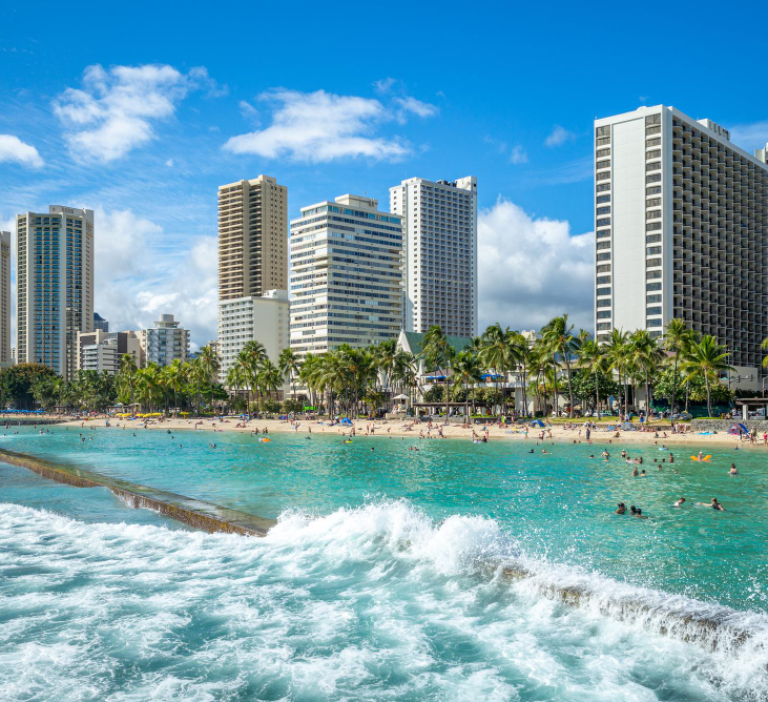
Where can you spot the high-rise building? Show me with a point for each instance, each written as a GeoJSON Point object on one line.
{"type": "Point", "coordinates": [253, 238]}
{"type": "Point", "coordinates": [102, 351]}
{"type": "Point", "coordinates": [54, 285]}
{"type": "Point", "coordinates": [165, 342]}
{"type": "Point", "coordinates": [243, 319]}
{"type": "Point", "coordinates": [346, 275]}
{"type": "Point", "coordinates": [440, 263]}
{"type": "Point", "coordinates": [681, 221]}
{"type": "Point", "coordinates": [99, 323]}
{"type": "Point", "coordinates": [6, 357]}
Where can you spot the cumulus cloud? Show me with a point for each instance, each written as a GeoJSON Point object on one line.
{"type": "Point", "coordinates": [532, 269]}
{"type": "Point", "coordinates": [115, 110]}
{"type": "Point", "coordinates": [750, 136]}
{"type": "Point", "coordinates": [15, 150]}
{"type": "Point", "coordinates": [559, 136]}
{"type": "Point", "coordinates": [320, 127]}
{"type": "Point", "coordinates": [518, 155]}
{"type": "Point", "coordinates": [136, 281]}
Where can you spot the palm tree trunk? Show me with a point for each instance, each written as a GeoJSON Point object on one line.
{"type": "Point", "coordinates": [597, 395]}
{"type": "Point", "coordinates": [570, 386]}
{"type": "Point", "coordinates": [709, 395]}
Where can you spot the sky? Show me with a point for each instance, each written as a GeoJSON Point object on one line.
{"type": "Point", "coordinates": [140, 111]}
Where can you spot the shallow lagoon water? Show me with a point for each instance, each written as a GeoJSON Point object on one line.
{"type": "Point", "coordinates": [371, 585]}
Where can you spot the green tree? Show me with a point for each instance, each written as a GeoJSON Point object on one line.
{"type": "Point", "coordinates": [558, 336]}
{"type": "Point", "coordinates": [707, 359]}
{"type": "Point", "coordinates": [17, 381]}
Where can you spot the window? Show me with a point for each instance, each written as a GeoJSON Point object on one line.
{"type": "Point", "coordinates": [653, 119]}
{"type": "Point", "coordinates": [605, 175]}
{"type": "Point", "coordinates": [603, 222]}
{"type": "Point", "coordinates": [602, 141]}
{"type": "Point", "coordinates": [653, 142]}
{"type": "Point", "coordinates": [602, 153]}
{"type": "Point", "coordinates": [652, 130]}
{"type": "Point", "coordinates": [603, 326]}
{"type": "Point", "coordinates": [603, 131]}
{"type": "Point", "coordinates": [603, 303]}
{"type": "Point", "coordinates": [604, 257]}
{"type": "Point", "coordinates": [654, 190]}
{"type": "Point", "coordinates": [603, 291]}
{"type": "Point", "coordinates": [653, 263]}
{"type": "Point", "coordinates": [603, 198]}
{"type": "Point", "coordinates": [650, 155]}
{"type": "Point", "coordinates": [655, 166]}
{"type": "Point", "coordinates": [603, 233]}
{"type": "Point", "coordinates": [653, 298]}
{"type": "Point", "coordinates": [650, 287]}
{"type": "Point", "coordinates": [603, 187]}
{"type": "Point", "coordinates": [653, 202]}
{"type": "Point", "coordinates": [653, 275]}
{"type": "Point", "coordinates": [604, 314]}
{"type": "Point", "coordinates": [652, 226]}
{"type": "Point", "coordinates": [653, 251]}
{"type": "Point", "coordinates": [603, 279]}
{"type": "Point", "coordinates": [604, 210]}
{"type": "Point", "coordinates": [602, 245]}
{"type": "Point", "coordinates": [655, 178]}
{"type": "Point", "coordinates": [653, 214]}
{"type": "Point", "coordinates": [604, 268]}
{"type": "Point", "coordinates": [603, 164]}
{"type": "Point", "coordinates": [654, 322]}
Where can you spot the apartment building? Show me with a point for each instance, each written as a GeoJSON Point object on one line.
{"type": "Point", "coordinates": [681, 221]}
{"type": "Point", "coordinates": [165, 342]}
{"type": "Point", "coordinates": [264, 319]}
{"type": "Point", "coordinates": [54, 285]}
{"type": "Point", "coordinates": [346, 275]}
{"type": "Point", "coordinates": [103, 351]}
{"type": "Point", "coordinates": [6, 357]}
{"type": "Point", "coordinates": [440, 262]}
{"type": "Point", "coordinates": [253, 238]}
{"type": "Point", "coordinates": [100, 323]}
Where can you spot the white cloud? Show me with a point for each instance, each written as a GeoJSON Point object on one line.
{"type": "Point", "coordinates": [750, 136]}
{"type": "Point", "coordinates": [414, 106]}
{"type": "Point", "coordinates": [114, 111]}
{"type": "Point", "coordinates": [532, 269]}
{"type": "Point", "coordinates": [136, 281]}
{"type": "Point", "coordinates": [14, 149]}
{"type": "Point", "coordinates": [249, 112]}
{"type": "Point", "coordinates": [384, 85]}
{"type": "Point", "coordinates": [559, 136]}
{"type": "Point", "coordinates": [169, 163]}
{"type": "Point", "coordinates": [321, 127]}
{"type": "Point", "coordinates": [518, 155]}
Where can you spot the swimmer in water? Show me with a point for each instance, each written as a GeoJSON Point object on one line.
{"type": "Point", "coordinates": [679, 503]}
{"type": "Point", "coordinates": [634, 472]}
{"type": "Point", "coordinates": [701, 455]}
{"type": "Point", "coordinates": [642, 474]}
{"type": "Point", "coordinates": [622, 508]}
{"type": "Point", "coordinates": [733, 470]}
{"type": "Point", "coordinates": [605, 455]}
{"type": "Point", "coordinates": [714, 505]}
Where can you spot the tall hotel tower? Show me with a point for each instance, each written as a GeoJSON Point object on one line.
{"type": "Point", "coordinates": [681, 220]}
{"type": "Point", "coordinates": [54, 286]}
{"type": "Point", "coordinates": [346, 275]}
{"type": "Point", "coordinates": [5, 299]}
{"type": "Point", "coordinates": [440, 263]}
{"type": "Point", "coordinates": [253, 238]}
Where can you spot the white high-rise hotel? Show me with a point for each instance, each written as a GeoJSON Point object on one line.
{"type": "Point", "coordinates": [440, 266]}
{"type": "Point", "coordinates": [681, 219]}
{"type": "Point", "coordinates": [346, 275]}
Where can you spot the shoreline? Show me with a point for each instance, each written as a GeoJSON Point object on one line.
{"type": "Point", "coordinates": [421, 431]}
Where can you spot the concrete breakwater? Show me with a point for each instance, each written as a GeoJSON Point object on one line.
{"type": "Point", "coordinates": [710, 626]}
{"type": "Point", "coordinates": [196, 513]}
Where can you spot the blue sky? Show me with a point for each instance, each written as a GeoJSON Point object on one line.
{"type": "Point", "coordinates": [140, 111]}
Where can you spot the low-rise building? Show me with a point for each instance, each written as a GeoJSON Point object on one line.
{"type": "Point", "coordinates": [102, 351]}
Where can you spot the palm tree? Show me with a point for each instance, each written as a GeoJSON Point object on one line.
{"type": "Point", "coordinates": [619, 355]}
{"type": "Point", "coordinates": [593, 359]}
{"type": "Point", "coordinates": [677, 340]}
{"type": "Point", "coordinates": [706, 359]}
{"type": "Point", "coordinates": [466, 371]}
{"type": "Point", "coordinates": [557, 335]}
{"type": "Point", "coordinates": [289, 365]}
{"type": "Point", "coordinates": [764, 347]}
{"type": "Point", "coordinates": [210, 364]}
{"type": "Point", "coordinates": [646, 358]}
{"type": "Point", "coordinates": [500, 353]}
{"type": "Point", "coordinates": [437, 352]}
{"type": "Point", "coordinates": [270, 377]}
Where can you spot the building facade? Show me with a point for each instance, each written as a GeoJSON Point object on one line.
{"type": "Point", "coordinates": [346, 275]}
{"type": "Point", "coordinates": [264, 319]}
{"type": "Point", "coordinates": [102, 351]}
{"type": "Point", "coordinates": [440, 263]}
{"type": "Point", "coordinates": [681, 221]}
{"type": "Point", "coordinates": [165, 342]}
{"type": "Point", "coordinates": [54, 285]}
{"type": "Point", "coordinates": [6, 356]}
{"type": "Point", "coordinates": [100, 323]}
{"type": "Point", "coordinates": [253, 238]}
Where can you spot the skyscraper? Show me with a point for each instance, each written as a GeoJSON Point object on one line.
{"type": "Point", "coordinates": [440, 263]}
{"type": "Point", "coordinates": [346, 275]}
{"type": "Point", "coordinates": [6, 359]}
{"type": "Point", "coordinates": [165, 342]}
{"type": "Point", "coordinates": [99, 323]}
{"type": "Point", "coordinates": [54, 285]}
{"type": "Point", "coordinates": [681, 221]}
{"type": "Point", "coordinates": [253, 238]}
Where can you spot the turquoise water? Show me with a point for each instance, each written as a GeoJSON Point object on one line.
{"type": "Point", "coordinates": [372, 586]}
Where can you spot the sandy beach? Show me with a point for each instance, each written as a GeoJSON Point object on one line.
{"type": "Point", "coordinates": [575, 432]}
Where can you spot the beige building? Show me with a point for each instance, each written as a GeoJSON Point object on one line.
{"type": "Point", "coordinates": [54, 286]}
{"type": "Point", "coordinates": [253, 238]}
{"type": "Point", "coordinates": [6, 358]}
{"type": "Point", "coordinates": [102, 351]}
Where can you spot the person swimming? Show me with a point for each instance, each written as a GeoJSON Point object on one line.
{"type": "Point", "coordinates": [733, 470]}
{"type": "Point", "coordinates": [622, 508]}
{"type": "Point", "coordinates": [679, 503]}
{"type": "Point", "coordinates": [635, 472]}
{"type": "Point", "coordinates": [714, 504]}
{"type": "Point", "coordinates": [642, 473]}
